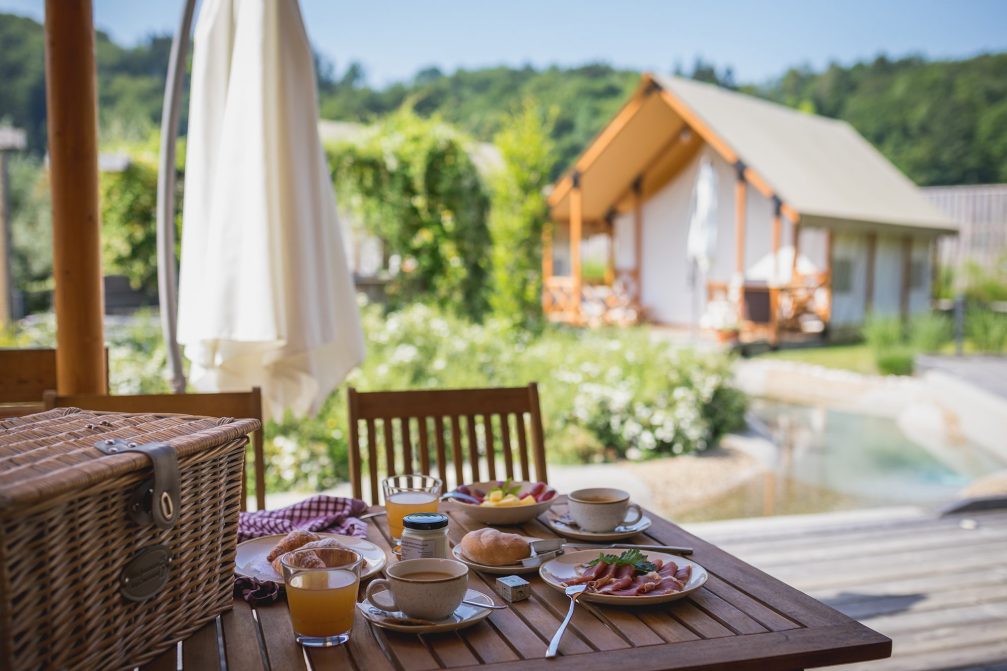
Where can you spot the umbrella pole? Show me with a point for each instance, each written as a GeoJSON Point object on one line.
{"type": "Point", "coordinates": [167, 281]}
{"type": "Point", "coordinates": [72, 119]}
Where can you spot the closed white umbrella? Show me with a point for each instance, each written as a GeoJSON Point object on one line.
{"type": "Point", "coordinates": [265, 293]}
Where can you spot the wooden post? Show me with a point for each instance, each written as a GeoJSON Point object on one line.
{"type": "Point", "coordinates": [774, 291]}
{"type": "Point", "coordinates": [638, 238]}
{"type": "Point", "coordinates": [795, 242]}
{"type": "Point", "coordinates": [829, 238]}
{"type": "Point", "coordinates": [576, 231]}
{"type": "Point", "coordinates": [739, 233]}
{"type": "Point", "coordinates": [907, 264]}
{"type": "Point", "coordinates": [872, 254]}
{"type": "Point", "coordinates": [610, 260]}
{"type": "Point", "coordinates": [71, 104]}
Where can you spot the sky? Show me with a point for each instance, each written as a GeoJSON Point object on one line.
{"type": "Point", "coordinates": [759, 39]}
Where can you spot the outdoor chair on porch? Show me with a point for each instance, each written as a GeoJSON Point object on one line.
{"type": "Point", "coordinates": [25, 375]}
{"type": "Point", "coordinates": [451, 425]}
{"type": "Point", "coordinates": [237, 404]}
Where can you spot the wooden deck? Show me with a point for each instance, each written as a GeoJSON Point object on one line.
{"type": "Point", "coordinates": [937, 586]}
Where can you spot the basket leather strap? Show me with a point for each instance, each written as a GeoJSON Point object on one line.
{"type": "Point", "coordinates": [156, 500]}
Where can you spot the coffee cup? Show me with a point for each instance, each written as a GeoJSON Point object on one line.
{"type": "Point", "coordinates": [426, 589]}
{"type": "Point", "coordinates": [601, 509]}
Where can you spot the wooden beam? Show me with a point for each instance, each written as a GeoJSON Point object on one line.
{"type": "Point", "coordinates": [795, 242]}
{"type": "Point", "coordinates": [740, 197]}
{"type": "Point", "coordinates": [872, 255]}
{"type": "Point", "coordinates": [600, 143]}
{"type": "Point", "coordinates": [774, 292]}
{"type": "Point", "coordinates": [610, 260]}
{"type": "Point", "coordinates": [576, 231]}
{"type": "Point", "coordinates": [71, 104]}
{"type": "Point", "coordinates": [907, 263]}
{"type": "Point", "coordinates": [638, 238]}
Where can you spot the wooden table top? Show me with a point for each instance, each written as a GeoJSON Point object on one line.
{"type": "Point", "coordinates": [741, 619]}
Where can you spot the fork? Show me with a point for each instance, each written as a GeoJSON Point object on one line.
{"type": "Point", "coordinates": [574, 592]}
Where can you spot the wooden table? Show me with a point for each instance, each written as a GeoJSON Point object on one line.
{"type": "Point", "coordinates": [741, 619]}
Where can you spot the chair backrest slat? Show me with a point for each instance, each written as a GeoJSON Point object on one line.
{"type": "Point", "coordinates": [522, 438]}
{"type": "Point", "coordinates": [237, 404]}
{"type": "Point", "coordinates": [26, 374]}
{"type": "Point", "coordinates": [505, 442]}
{"type": "Point", "coordinates": [449, 408]}
{"type": "Point", "coordinates": [424, 445]}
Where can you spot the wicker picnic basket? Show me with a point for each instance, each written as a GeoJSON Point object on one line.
{"type": "Point", "coordinates": [117, 534]}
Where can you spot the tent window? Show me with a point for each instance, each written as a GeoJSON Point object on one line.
{"type": "Point", "coordinates": [842, 276]}
{"type": "Point", "coordinates": [916, 274]}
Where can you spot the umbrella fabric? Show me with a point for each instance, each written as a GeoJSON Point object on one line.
{"type": "Point", "coordinates": [265, 293]}
{"type": "Point", "coordinates": [702, 240]}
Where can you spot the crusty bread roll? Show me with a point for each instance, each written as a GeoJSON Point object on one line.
{"type": "Point", "coordinates": [291, 541]}
{"type": "Point", "coordinates": [494, 548]}
{"type": "Point", "coordinates": [309, 559]}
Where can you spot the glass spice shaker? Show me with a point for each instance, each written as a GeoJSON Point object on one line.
{"type": "Point", "coordinates": [425, 535]}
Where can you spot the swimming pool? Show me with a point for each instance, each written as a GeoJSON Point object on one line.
{"type": "Point", "coordinates": [821, 459]}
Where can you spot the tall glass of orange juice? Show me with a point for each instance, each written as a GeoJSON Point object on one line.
{"type": "Point", "coordinates": [321, 589]}
{"type": "Point", "coordinates": [406, 494]}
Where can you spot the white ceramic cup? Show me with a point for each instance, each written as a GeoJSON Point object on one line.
{"type": "Point", "coordinates": [422, 599]}
{"type": "Point", "coordinates": [601, 509]}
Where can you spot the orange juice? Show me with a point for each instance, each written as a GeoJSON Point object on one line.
{"type": "Point", "coordinates": [322, 603]}
{"type": "Point", "coordinates": [401, 504]}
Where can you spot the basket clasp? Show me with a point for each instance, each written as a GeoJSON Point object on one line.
{"type": "Point", "coordinates": [156, 500]}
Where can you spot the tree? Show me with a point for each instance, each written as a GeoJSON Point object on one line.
{"type": "Point", "coordinates": [414, 185]}
{"type": "Point", "coordinates": [520, 212]}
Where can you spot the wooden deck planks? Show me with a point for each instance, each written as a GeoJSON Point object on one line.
{"type": "Point", "coordinates": [936, 586]}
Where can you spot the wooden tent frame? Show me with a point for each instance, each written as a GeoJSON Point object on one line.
{"type": "Point", "coordinates": [562, 295]}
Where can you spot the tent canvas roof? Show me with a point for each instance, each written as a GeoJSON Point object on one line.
{"type": "Point", "coordinates": [820, 168]}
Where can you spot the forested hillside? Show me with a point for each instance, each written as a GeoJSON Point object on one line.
{"type": "Point", "coordinates": [940, 122]}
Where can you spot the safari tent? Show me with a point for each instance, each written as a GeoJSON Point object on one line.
{"type": "Point", "coordinates": [810, 228]}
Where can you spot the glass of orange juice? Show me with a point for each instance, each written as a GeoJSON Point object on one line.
{"type": "Point", "coordinates": [321, 589]}
{"type": "Point", "coordinates": [407, 494]}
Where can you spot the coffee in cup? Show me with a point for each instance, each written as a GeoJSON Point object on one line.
{"type": "Point", "coordinates": [602, 509]}
{"type": "Point", "coordinates": [426, 589]}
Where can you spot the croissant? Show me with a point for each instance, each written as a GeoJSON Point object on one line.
{"type": "Point", "coordinates": [308, 559]}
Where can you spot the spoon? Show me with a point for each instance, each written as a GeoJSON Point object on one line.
{"type": "Point", "coordinates": [574, 592]}
{"type": "Point", "coordinates": [458, 496]}
{"type": "Point", "coordinates": [480, 604]}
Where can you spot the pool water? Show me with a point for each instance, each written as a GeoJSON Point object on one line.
{"type": "Point", "coordinates": [825, 460]}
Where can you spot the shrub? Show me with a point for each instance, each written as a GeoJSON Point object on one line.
{"type": "Point", "coordinates": [895, 361]}
{"type": "Point", "coordinates": [986, 329]}
{"type": "Point", "coordinates": [883, 332]}
{"type": "Point", "coordinates": [929, 332]}
{"type": "Point", "coordinates": [413, 184]}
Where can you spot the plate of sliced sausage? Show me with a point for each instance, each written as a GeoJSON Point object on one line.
{"type": "Point", "coordinates": [632, 578]}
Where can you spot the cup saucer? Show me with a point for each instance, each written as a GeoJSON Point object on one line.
{"type": "Point", "coordinates": [569, 529]}
{"type": "Point", "coordinates": [465, 615]}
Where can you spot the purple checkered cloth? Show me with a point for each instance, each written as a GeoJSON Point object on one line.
{"type": "Point", "coordinates": [332, 514]}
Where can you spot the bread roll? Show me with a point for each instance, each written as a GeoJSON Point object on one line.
{"type": "Point", "coordinates": [309, 559]}
{"type": "Point", "coordinates": [291, 541]}
{"type": "Point", "coordinates": [494, 548]}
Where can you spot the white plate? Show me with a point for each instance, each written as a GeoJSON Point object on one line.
{"type": "Point", "coordinates": [506, 569]}
{"type": "Point", "coordinates": [504, 515]}
{"type": "Point", "coordinates": [251, 558]}
{"type": "Point", "coordinates": [464, 616]}
{"type": "Point", "coordinates": [555, 571]}
{"type": "Point", "coordinates": [621, 532]}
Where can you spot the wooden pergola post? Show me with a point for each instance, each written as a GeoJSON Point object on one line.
{"type": "Point", "coordinates": [576, 232]}
{"type": "Point", "coordinates": [72, 111]}
{"type": "Point", "coordinates": [740, 194]}
{"type": "Point", "coordinates": [774, 288]}
{"type": "Point", "coordinates": [638, 239]}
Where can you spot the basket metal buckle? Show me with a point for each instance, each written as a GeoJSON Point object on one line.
{"type": "Point", "coordinates": [155, 500]}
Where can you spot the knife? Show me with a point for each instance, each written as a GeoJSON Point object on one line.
{"type": "Point", "coordinates": [675, 549]}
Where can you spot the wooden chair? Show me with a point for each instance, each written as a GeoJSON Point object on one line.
{"type": "Point", "coordinates": [25, 375]}
{"type": "Point", "coordinates": [238, 404]}
{"type": "Point", "coordinates": [453, 414]}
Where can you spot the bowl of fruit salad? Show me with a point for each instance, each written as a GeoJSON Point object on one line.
{"type": "Point", "coordinates": [504, 501]}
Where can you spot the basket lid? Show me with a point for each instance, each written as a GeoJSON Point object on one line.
{"type": "Point", "coordinates": [50, 453]}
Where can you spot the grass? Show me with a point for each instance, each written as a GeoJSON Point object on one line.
{"type": "Point", "coordinates": [856, 357]}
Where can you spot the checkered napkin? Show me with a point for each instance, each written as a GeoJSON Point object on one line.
{"type": "Point", "coordinates": [331, 514]}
